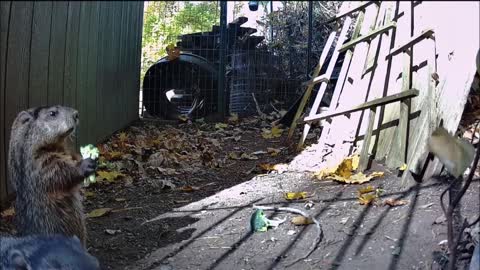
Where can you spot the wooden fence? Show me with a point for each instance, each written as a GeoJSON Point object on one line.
{"type": "Point", "coordinates": [79, 54]}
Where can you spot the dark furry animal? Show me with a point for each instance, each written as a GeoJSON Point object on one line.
{"type": "Point", "coordinates": [53, 252]}
{"type": "Point", "coordinates": [46, 172]}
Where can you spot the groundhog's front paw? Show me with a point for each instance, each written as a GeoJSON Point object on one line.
{"type": "Point", "coordinates": [88, 167]}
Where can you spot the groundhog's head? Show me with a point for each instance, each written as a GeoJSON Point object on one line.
{"type": "Point", "coordinates": [46, 125]}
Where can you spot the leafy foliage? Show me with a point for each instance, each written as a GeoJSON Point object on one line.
{"type": "Point", "coordinates": [164, 21]}
{"type": "Point", "coordinates": [290, 32]}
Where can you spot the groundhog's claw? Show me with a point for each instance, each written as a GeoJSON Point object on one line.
{"type": "Point", "coordinates": [88, 167]}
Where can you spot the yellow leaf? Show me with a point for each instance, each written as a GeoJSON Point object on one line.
{"type": "Point", "coordinates": [275, 132]}
{"type": "Point", "coordinates": [89, 194]}
{"type": "Point", "coordinates": [267, 166]}
{"type": "Point", "coordinates": [295, 195]}
{"type": "Point", "coordinates": [123, 137]}
{"type": "Point", "coordinates": [109, 176]}
{"type": "Point", "coordinates": [355, 161]}
{"type": "Point", "coordinates": [403, 167]}
{"type": "Point", "coordinates": [345, 168]}
{"type": "Point", "coordinates": [221, 126]}
{"type": "Point", "coordinates": [366, 189]}
{"type": "Point", "coordinates": [301, 220]}
{"type": "Point", "coordinates": [358, 178]}
{"type": "Point", "coordinates": [367, 198]}
{"type": "Point", "coordinates": [340, 171]}
{"type": "Point", "coordinates": [115, 154]}
{"type": "Point", "coordinates": [99, 212]}
{"type": "Point", "coordinates": [183, 118]}
{"type": "Point", "coordinates": [325, 172]}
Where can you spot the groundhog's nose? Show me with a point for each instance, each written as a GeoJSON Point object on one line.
{"type": "Point", "coordinates": [75, 115]}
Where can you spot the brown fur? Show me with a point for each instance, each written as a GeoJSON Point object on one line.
{"type": "Point", "coordinates": [47, 175]}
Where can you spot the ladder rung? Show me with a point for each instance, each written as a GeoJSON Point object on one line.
{"type": "Point", "coordinates": [316, 80]}
{"type": "Point", "coordinates": [348, 12]}
{"type": "Point", "coordinates": [373, 103]}
{"type": "Point", "coordinates": [368, 36]}
{"type": "Point", "coordinates": [415, 39]}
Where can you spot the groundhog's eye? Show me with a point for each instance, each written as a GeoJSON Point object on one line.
{"type": "Point", "coordinates": [53, 113]}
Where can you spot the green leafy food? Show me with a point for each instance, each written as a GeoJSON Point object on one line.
{"type": "Point", "coordinates": [89, 151]}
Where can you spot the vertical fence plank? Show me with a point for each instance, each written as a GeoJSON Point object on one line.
{"type": "Point", "coordinates": [110, 80]}
{"type": "Point", "coordinates": [92, 77]}
{"type": "Point", "coordinates": [57, 53]}
{"type": "Point", "coordinates": [4, 22]}
{"type": "Point", "coordinates": [121, 63]}
{"type": "Point", "coordinates": [40, 46]}
{"type": "Point", "coordinates": [82, 68]}
{"type": "Point", "coordinates": [131, 54]}
{"type": "Point", "coordinates": [71, 53]}
{"type": "Point", "coordinates": [17, 61]}
{"type": "Point", "coordinates": [115, 106]}
{"type": "Point", "coordinates": [100, 123]}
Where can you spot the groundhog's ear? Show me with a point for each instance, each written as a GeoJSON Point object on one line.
{"type": "Point", "coordinates": [24, 117]}
{"type": "Point", "coordinates": [17, 260]}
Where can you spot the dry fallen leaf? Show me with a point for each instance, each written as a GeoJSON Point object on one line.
{"type": "Point", "coordinates": [341, 171]}
{"type": "Point", "coordinates": [183, 118]}
{"type": "Point", "coordinates": [114, 155]}
{"type": "Point", "coordinates": [403, 167]}
{"type": "Point", "coordinates": [189, 188]}
{"type": "Point", "coordinates": [295, 195]}
{"type": "Point", "coordinates": [246, 156]}
{"type": "Point", "coordinates": [301, 220]}
{"type": "Point", "coordinates": [89, 194]}
{"type": "Point", "coordinates": [99, 212]}
{"type": "Point", "coordinates": [393, 202]}
{"type": "Point", "coordinates": [112, 232]}
{"type": "Point", "coordinates": [366, 189]}
{"type": "Point", "coordinates": [108, 176]}
{"type": "Point", "coordinates": [367, 198]}
{"type": "Point", "coordinates": [267, 166]}
{"type": "Point", "coordinates": [221, 126]}
{"type": "Point", "coordinates": [273, 151]}
{"type": "Point", "coordinates": [123, 137]}
{"type": "Point", "coordinates": [275, 132]}
{"type": "Point", "coordinates": [358, 178]}
{"type": "Point", "coordinates": [233, 155]}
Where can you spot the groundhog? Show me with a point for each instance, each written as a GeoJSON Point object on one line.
{"type": "Point", "coordinates": [46, 173]}
{"type": "Point", "coordinates": [45, 253]}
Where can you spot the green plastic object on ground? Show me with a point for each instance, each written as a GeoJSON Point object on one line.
{"type": "Point", "coordinates": [89, 151]}
{"type": "Point", "coordinates": [260, 223]}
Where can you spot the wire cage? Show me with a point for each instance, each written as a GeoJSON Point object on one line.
{"type": "Point", "coordinates": [270, 48]}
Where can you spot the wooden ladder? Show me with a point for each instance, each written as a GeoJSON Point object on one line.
{"type": "Point", "coordinates": [403, 96]}
{"type": "Point", "coordinates": [325, 78]}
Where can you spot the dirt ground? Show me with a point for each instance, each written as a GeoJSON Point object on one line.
{"type": "Point", "coordinates": [200, 180]}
